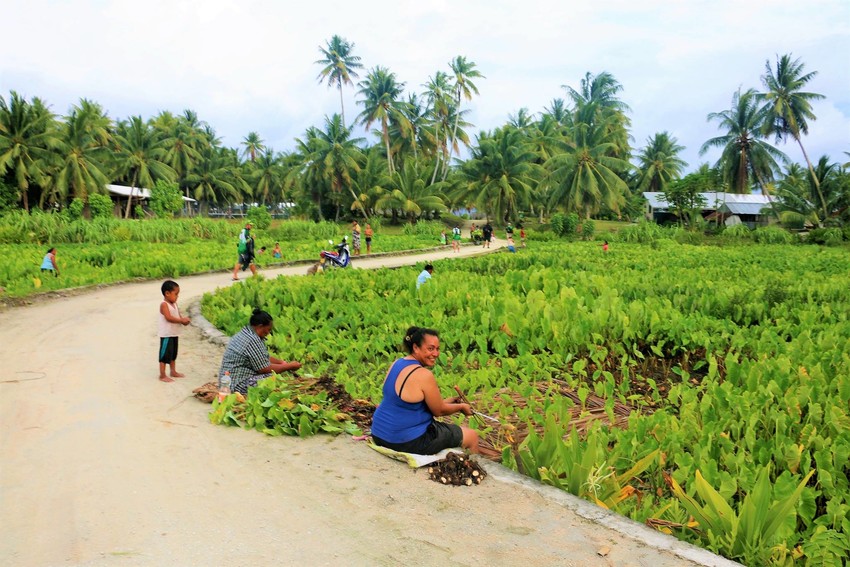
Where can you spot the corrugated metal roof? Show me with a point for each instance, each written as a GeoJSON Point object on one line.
{"type": "Point", "coordinates": [137, 192]}
{"type": "Point", "coordinates": [746, 208]}
{"type": "Point", "coordinates": [713, 200]}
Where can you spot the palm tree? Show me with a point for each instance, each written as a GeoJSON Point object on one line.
{"type": "Point", "coordinates": [502, 172]}
{"type": "Point", "coordinates": [419, 127]}
{"type": "Point", "coordinates": [183, 141]}
{"type": "Point", "coordinates": [745, 156]}
{"type": "Point", "coordinates": [372, 181]}
{"type": "Point", "coordinates": [337, 154]}
{"type": "Point", "coordinates": [381, 92]}
{"type": "Point", "coordinates": [213, 180]}
{"type": "Point", "coordinates": [439, 97]}
{"type": "Point", "coordinates": [522, 119]}
{"type": "Point", "coordinates": [798, 194]}
{"type": "Point", "coordinates": [464, 71]}
{"type": "Point", "coordinates": [410, 194]}
{"type": "Point", "coordinates": [82, 155]}
{"type": "Point", "coordinates": [583, 177]}
{"type": "Point", "coordinates": [267, 177]}
{"type": "Point", "coordinates": [558, 111]}
{"type": "Point", "coordinates": [596, 102]}
{"type": "Point", "coordinates": [659, 162]}
{"type": "Point", "coordinates": [253, 145]}
{"type": "Point", "coordinates": [339, 66]}
{"type": "Point", "coordinates": [27, 131]}
{"type": "Point", "coordinates": [788, 107]}
{"type": "Point", "coordinates": [140, 156]}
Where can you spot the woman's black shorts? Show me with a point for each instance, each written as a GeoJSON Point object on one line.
{"type": "Point", "coordinates": [437, 437]}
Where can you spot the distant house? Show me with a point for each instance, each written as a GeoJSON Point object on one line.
{"type": "Point", "coordinates": [120, 194]}
{"type": "Point", "coordinates": [731, 208]}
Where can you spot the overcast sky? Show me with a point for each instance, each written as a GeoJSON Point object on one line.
{"type": "Point", "coordinates": [250, 65]}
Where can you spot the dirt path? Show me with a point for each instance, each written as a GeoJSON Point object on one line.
{"type": "Point", "coordinates": [102, 464]}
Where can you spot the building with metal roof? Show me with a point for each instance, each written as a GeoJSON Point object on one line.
{"type": "Point", "coordinates": [733, 208]}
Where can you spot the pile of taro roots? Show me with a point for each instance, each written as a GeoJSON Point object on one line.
{"type": "Point", "coordinates": [456, 469]}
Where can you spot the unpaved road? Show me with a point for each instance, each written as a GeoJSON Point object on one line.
{"type": "Point", "coordinates": [102, 464]}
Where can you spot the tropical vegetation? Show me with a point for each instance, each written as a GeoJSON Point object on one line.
{"type": "Point", "coordinates": [420, 158]}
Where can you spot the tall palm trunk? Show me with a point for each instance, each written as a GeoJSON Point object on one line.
{"type": "Point", "coordinates": [387, 143]}
{"type": "Point", "coordinates": [359, 204]}
{"type": "Point", "coordinates": [436, 153]}
{"type": "Point", "coordinates": [130, 196]}
{"type": "Point", "coordinates": [341, 106]}
{"type": "Point", "coordinates": [454, 138]}
{"type": "Point", "coordinates": [814, 177]}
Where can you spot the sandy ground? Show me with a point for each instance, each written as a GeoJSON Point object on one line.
{"type": "Point", "coordinates": [102, 464]}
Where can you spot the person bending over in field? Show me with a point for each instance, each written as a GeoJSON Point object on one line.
{"type": "Point", "coordinates": [404, 421]}
{"type": "Point", "coordinates": [247, 358]}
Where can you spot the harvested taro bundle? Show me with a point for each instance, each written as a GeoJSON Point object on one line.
{"type": "Point", "coordinates": [456, 469]}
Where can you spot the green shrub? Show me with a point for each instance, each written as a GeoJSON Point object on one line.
{"type": "Point", "coordinates": [166, 199]}
{"type": "Point", "coordinates": [75, 209]}
{"type": "Point", "coordinates": [260, 217]}
{"type": "Point", "coordinates": [644, 232]}
{"type": "Point", "coordinates": [429, 229]}
{"type": "Point", "coordinates": [772, 235]}
{"type": "Point", "coordinates": [692, 237]}
{"type": "Point", "coordinates": [737, 231]}
{"type": "Point", "coordinates": [828, 236]}
{"type": "Point", "coordinates": [588, 227]}
{"type": "Point", "coordinates": [101, 206]}
{"type": "Point", "coordinates": [565, 225]}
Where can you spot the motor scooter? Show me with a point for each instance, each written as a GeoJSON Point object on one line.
{"type": "Point", "coordinates": [339, 259]}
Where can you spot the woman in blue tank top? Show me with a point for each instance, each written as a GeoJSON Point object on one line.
{"type": "Point", "coordinates": [404, 421]}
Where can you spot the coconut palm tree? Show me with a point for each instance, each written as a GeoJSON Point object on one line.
{"type": "Point", "coordinates": [139, 157]}
{"type": "Point", "coordinates": [410, 194]}
{"type": "Point", "coordinates": [503, 172]}
{"type": "Point", "coordinates": [381, 102]}
{"type": "Point", "coordinates": [420, 130]}
{"type": "Point", "coordinates": [213, 181]}
{"type": "Point", "coordinates": [82, 156]}
{"type": "Point", "coordinates": [464, 72]}
{"type": "Point", "coordinates": [338, 154]}
{"type": "Point", "coordinates": [339, 66]}
{"type": "Point", "coordinates": [788, 107]}
{"type": "Point", "coordinates": [183, 142]}
{"type": "Point", "coordinates": [558, 111]}
{"type": "Point", "coordinates": [799, 196]}
{"type": "Point", "coordinates": [659, 162]}
{"type": "Point", "coordinates": [583, 177]}
{"type": "Point", "coordinates": [27, 132]}
{"type": "Point", "coordinates": [253, 145]}
{"type": "Point", "coordinates": [597, 101]}
{"type": "Point", "coordinates": [745, 157]}
{"type": "Point", "coordinates": [439, 96]}
{"type": "Point", "coordinates": [267, 176]}
{"type": "Point", "coordinates": [522, 119]}
{"type": "Point", "coordinates": [372, 180]}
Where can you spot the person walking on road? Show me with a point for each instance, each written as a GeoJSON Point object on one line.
{"type": "Point", "coordinates": [245, 249]}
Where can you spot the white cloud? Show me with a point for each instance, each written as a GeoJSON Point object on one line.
{"type": "Point", "coordinates": [249, 66]}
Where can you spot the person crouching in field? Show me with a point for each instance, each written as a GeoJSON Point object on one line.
{"type": "Point", "coordinates": [170, 322]}
{"type": "Point", "coordinates": [247, 357]}
{"type": "Point", "coordinates": [404, 420]}
{"type": "Point", "coordinates": [49, 264]}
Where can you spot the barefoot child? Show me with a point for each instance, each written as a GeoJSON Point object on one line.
{"type": "Point", "coordinates": [169, 329]}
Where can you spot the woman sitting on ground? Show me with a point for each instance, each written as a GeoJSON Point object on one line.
{"type": "Point", "coordinates": [247, 358]}
{"type": "Point", "coordinates": [404, 421]}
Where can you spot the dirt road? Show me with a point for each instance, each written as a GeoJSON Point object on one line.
{"type": "Point", "coordinates": [102, 464]}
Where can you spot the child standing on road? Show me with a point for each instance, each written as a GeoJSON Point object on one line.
{"type": "Point", "coordinates": [169, 328]}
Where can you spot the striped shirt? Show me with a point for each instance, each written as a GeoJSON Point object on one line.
{"type": "Point", "coordinates": [245, 355]}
